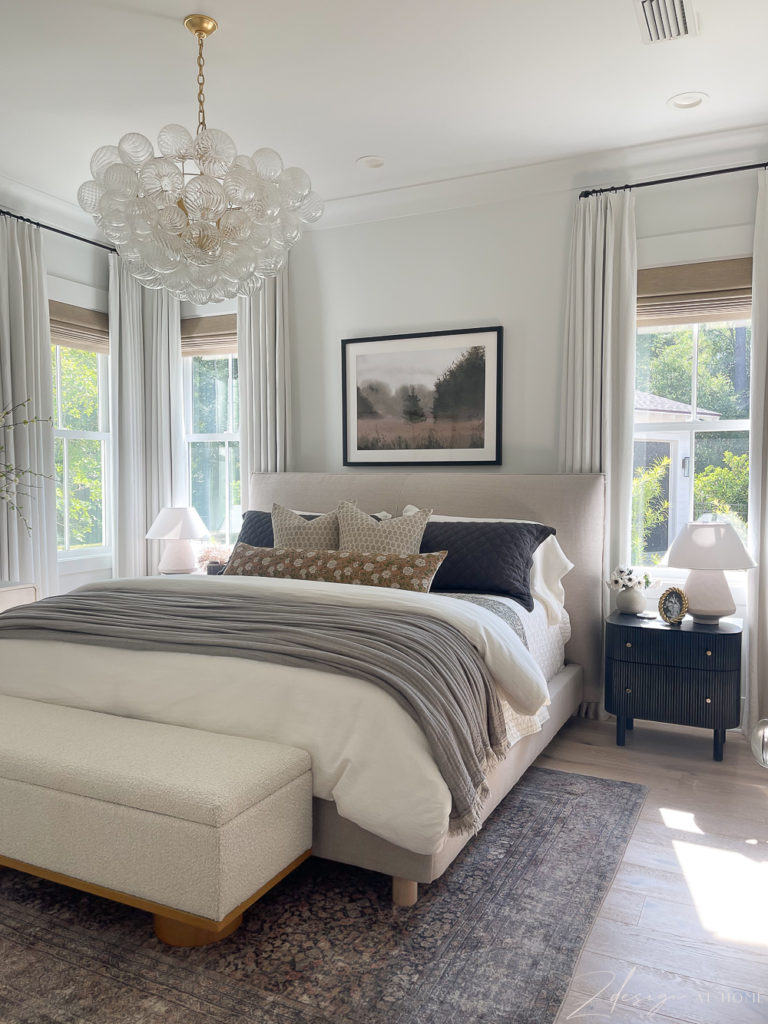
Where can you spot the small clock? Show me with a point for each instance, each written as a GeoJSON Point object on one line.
{"type": "Point", "coordinates": [673, 605]}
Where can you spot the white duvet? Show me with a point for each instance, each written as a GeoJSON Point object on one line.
{"type": "Point", "coordinates": [368, 754]}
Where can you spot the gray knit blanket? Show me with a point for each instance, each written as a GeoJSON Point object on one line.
{"type": "Point", "coordinates": [426, 665]}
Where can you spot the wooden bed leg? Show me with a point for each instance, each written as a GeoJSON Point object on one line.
{"type": "Point", "coordinates": [177, 933]}
{"type": "Point", "coordinates": [404, 892]}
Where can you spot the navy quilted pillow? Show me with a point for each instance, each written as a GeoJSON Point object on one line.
{"type": "Point", "coordinates": [487, 558]}
{"type": "Point", "coordinates": [256, 530]}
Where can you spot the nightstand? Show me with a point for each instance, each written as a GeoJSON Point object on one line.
{"type": "Point", "coordinates": [12, 594]}
{"type": "Point", "coordinates": [688, 674]}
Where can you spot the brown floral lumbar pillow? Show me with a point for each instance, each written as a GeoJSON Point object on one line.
{"type": "Point", "coordinates": [398, 572]}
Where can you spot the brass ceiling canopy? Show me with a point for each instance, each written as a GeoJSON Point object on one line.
{"type": "Point", "coordinates": [200, 25]}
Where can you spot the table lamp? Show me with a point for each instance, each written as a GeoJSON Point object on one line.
{"type": "Point", "coordinates": [178, 527]}
{"type": "Point", "coordinates": [707, 549]}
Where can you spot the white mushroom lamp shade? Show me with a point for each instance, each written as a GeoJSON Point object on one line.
{"type": "Point", "coordinates": [178, 527]}
{"type": "Point", "coordinates": [707, 549]}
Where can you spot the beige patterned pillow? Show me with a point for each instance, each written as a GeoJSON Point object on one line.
{"type": "Point", "coordinates": [291, 530]}
{"type": "Point", "coordinates": [398, 536]}
{"type": "Point", "coordinates": [398, 572]}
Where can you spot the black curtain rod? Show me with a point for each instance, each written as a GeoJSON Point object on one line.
{"type": "Point", "coordinates": [667, 181]}
{"type": "Point", "coordinates": [57, 231]}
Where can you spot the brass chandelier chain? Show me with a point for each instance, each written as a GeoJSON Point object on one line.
{"type": "Point", "coordinates": [200, 84]}
{"type": "Point", "coordinates": [201, 26]}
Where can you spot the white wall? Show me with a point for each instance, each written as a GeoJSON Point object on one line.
{"type": "Point", "coordinates": [504, 262]}
{"type": "Point", "coordinates": [474, 267]}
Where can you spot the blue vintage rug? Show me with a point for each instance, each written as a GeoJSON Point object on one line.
{"type": "Point", "coordinates": [494, 941]}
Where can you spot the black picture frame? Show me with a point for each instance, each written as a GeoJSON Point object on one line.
{"type": "Point", "coordinates": [396, 421]}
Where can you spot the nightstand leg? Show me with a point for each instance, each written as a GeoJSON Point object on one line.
{"type": "Point", "coordinates": [718, 746]}
{"type": "Point", "coordinates": [621, 722]}
{"type": "Point", "coordinates": [630, 722]}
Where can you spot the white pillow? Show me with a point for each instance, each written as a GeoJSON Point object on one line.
{"type": "Point", "coordinates": [550, 564]}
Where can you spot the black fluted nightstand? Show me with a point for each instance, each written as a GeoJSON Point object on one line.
{"type": "Point", "coordinates": [689, 674]}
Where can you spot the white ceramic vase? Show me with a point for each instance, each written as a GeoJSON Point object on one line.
{"type": "Point", "coordinates": [630, 601]}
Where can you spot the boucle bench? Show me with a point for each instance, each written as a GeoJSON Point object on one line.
{"type": "Point", "coordinates": [192, 826]}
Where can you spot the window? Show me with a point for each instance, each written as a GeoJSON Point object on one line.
{"type": "Point", "coordinates": [691, 407]}
{"type": "Point", "coordinates": [79, 364]}
{"type": "Point", "coordinates": [212, 423]}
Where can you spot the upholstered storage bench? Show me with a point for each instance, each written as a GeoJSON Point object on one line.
{"type": "Point", "coordinates": [192, 826]}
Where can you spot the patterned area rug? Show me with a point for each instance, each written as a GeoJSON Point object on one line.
{"type": "Point", "coordinates": [494, 941]}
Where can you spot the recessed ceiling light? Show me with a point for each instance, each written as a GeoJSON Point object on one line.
{"type": "Point", "coordinates": [687, 100]}
{"type": "Point", "coordinates": [370, 161]}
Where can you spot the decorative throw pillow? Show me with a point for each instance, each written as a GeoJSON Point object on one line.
{"type": "Point", "coordinates": [291, 530]}
{"type": "Point", "coordinates": [397, 572]}
{"type": "Point", "coordinates": [550, 564]}
{"type": "Point", "coordinates": [489, 558]}
{"type": "Point", "coordinates": [257, 527]}
{"type": "Point", "coordinates": [398, 536]}
{"type": "Point", "coordinates": [256, 530]}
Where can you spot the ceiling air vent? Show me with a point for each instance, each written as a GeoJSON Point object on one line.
{"type": "Point", "coordinates": [666, 19]}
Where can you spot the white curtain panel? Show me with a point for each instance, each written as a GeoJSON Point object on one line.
{"type": "Point", "coordinates": [27, 555]}
{"type": "Point", "coordinates": [757, 592]}
{"type": "Point", "coordinates": [146, 401]}
{"type": "Point", "coordinates": [264, 369]}
{"type": "Point", "coordinates": [598, 382]}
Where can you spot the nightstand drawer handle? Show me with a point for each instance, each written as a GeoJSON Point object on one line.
{"type": "Point", "coordinates": [709, 654]}
{"type": "Point", "coordinates": [628, 644]}
{"type": "Point", "coordinates": [708, 700]}
{"type": "Point", "coordinates": [627, 690]}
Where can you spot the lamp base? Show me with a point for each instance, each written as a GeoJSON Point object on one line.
{"type": "Point", "coordinates": [709, 596]}
{"type": "Point", "coordinates": [178, 557]}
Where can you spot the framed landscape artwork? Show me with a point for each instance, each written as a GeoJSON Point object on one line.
{"type": "Point", "coordinates": [431, 399]}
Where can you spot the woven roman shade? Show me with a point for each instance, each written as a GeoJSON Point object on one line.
{"type": "Point", "coordinates": [75, 327]}
{"type": "Point", "coordinates": [209, 335]}
{"type": "Point", "coordinates": [709, 292]}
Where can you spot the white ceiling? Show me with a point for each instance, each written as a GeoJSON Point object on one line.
{"type": "Point", "coordinates": [440, 88]}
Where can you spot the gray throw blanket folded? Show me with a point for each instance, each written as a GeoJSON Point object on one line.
{"type": "Point", "coordinates": [426, 665]}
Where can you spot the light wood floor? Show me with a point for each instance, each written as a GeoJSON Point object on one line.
{"type": "Point", "coordinates": [683, 932]}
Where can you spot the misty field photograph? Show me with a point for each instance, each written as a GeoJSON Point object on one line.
{"type": "Point", "coordinates": [426, 398]}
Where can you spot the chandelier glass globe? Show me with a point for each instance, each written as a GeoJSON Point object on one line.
{"type": "Point", "coordinates": [196, 217]}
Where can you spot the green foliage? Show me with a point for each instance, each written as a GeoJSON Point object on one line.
{"type": "Point", "coordinates": [16, 481]}
{"type": "Point", "coordinates": [649, 506]}
{"type": "Point", "coordinates": [665, 360]}
{"type": "Point", "coordinates": [460, 390]}
{"type": "Point", "coordinates": [215, 410]}
{"type": "Point", "coordinates": [665, 367]}
{"type": "Point", "coordinates": [724, 490]}
{"type": "Point", "coordinates": [78, 461]}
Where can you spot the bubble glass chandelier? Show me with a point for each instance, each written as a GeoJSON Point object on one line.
{"type": "Point", "coordinates": [198, 219]}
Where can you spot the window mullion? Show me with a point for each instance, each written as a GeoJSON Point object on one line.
{"type": "Point", "coordinates": [58, 387]}
{"type": "Point", "coordinates": [65, 488]}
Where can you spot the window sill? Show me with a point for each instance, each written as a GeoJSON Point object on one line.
{"type": "Point", "coordinates": [70, 564]}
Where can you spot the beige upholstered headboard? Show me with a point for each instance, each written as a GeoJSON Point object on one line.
{"type": "Point", "coordinates": [573, 503]}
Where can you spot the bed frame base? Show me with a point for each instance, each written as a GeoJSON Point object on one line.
{"type": "Point", "coordinates": [404, 892]}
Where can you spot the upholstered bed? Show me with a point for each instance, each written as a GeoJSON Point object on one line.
{"type": "Point", "coordinates": [314, 709]}
{"type": "Point", "coordinates": [574, 504]}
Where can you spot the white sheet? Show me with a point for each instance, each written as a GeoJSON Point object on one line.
{"type": "Point", "coordinates": [546, 641]}
{"type": "Point", "coordinates": [367, 753]}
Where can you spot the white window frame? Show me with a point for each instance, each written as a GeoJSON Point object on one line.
{"type": "Point", "coordinates": [228, 435]}
{"type": "Point", "coordinates": [98, 556]}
